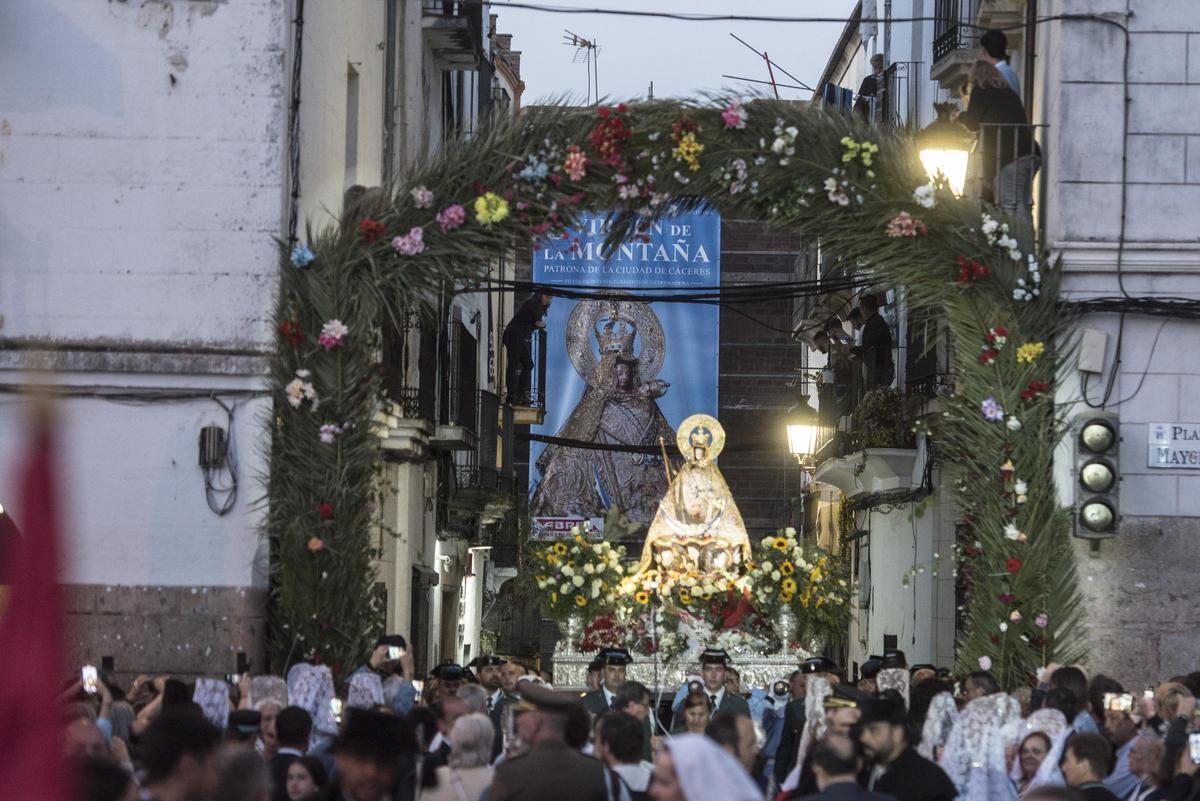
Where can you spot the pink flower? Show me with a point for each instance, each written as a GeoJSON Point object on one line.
{"type": "Point", "coordinates": [985, 663]}
{"type": "Point", "coordinates": [422, 197]}
{"type": "Point", "coordinates": [1041, 621]}
{"type": "Point", "coordinates": [332, 334]}
{"type": "Point", "coordinates": [451, 217]}
{"type": "Point", "coordinates": [904, 224]}
{"type": "Point", "coordinates": [734, 115]}
{"type": "Point", "coordinates": [575, 164]}
{"type": "Point", "coordinates": [411, 243]}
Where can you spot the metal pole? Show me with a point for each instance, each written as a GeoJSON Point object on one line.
{"type": "Point", "coordinates": [771, 73]}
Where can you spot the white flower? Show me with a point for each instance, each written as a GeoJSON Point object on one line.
{"type": "Point", "coordinates": [775, 575]}
{"type": "Point", "coordinates": [577, 581]}
{"type": "Point", "coordinates": [789, 532]}
{"type": "Point", "coordinates": [990, 224]}
{"type": "Point", "coordinates": [1013, 424]}
{"type": "Point", "coordinates": [589, 568]}
{"type": "Point", "coordinates": [831, 184]}
{"type": "Point", "coordinates": [303, 373]}
{"type": "Point", "coordinates": [335, 329]}
{"type": "Point", "coordinates": [1020, 487]}
{"type": "Point", "coordinates": [792, 131]}
{"type": "Point", "coordinates": [924, 196]}
{"type": "Point", "coordinates": [766, 566]}
{"type": "Point", "coordinates": [1004, 627]}
{"type": "Point", "coordinates": [567, 570]}
{"type": "Point", "coordinates": [565, 589]}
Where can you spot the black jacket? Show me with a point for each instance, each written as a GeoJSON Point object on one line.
{"type": "Point", "coordinates": [524, 321]}
{"type": "Point", "coordinates": [876, 347]}
{"type": "Point", "coordinates": [278, 767]}
{"type": "Point", "coordinates": [912, 777]}
{"type": "Point", "coordinates": [991, 106]}
{"type": "Point", "coordinates": [789, 739]}
{"type": "Point", "coordinates": [846, 791]}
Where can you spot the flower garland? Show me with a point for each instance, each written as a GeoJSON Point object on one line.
{"type": "Point", "coordinates": [868, 201]}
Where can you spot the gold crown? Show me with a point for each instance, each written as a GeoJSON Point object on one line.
{"type": "Point", "coordinates": [616, 335]}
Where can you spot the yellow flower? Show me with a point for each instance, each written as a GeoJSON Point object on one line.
{"type": "Point", "coordinates": [642, 597]}
{"type": "Point", "coordinates": [787, 568]}
{"type": "Point", "coordinates": [553, 598]}
{"type": "Point", "coordinates": [560, 548]}
{"type": "Point", "coordinates": [788, 585]}
{"type": "Point", "coordinates": [780, 544]}
{"type": "Point", "coordinates": [685, 597]}
{"type": "Point", "coordinates": [580, 600]}
{"type": "Point", "coordinates": [815, 575]}
{"type": "Point", "coordinates": [1028, 353]}
{"type": "Point", "coordinates": [688, 151]}
{"type": "Point", "coordinates": [786, 597]}
{"type": "Point", "coordinates": [490, 208]}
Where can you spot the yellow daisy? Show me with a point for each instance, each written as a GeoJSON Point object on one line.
{"type": "Point", "coordinates": [560, 548]}
{"type": "Point", "coordinates": [787, 569]}
{"type": "Point", "coordinates": [580, 600]}
{"type": "Point", "coordinates": [642, 597]}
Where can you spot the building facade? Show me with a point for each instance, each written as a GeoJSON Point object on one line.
{"type": "Point", "coordinates": [151, 155]}
{"type": "Point", "coordinates": [1115, 200]}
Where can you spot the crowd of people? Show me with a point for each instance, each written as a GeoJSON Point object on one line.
{"type": "Point", "coordinates": [496, 730]}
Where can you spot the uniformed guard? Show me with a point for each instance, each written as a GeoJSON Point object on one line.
{"type": "Point", "coordinates": [550, 769]}
{"type": "Point", "coordinates": [794, 716]}
{"type": "Point", "coordinates": [488, 669]}
{"type": "Point", "coordinates": [615, 661]}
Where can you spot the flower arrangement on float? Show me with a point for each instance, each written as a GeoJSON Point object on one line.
{"type": "Point", "coordinates": [789, 594]}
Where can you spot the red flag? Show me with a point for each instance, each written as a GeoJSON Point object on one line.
{"type": "Point", "coordinates": [31, 637]}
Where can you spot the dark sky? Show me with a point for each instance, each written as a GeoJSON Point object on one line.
{"type": "Point", "coordinates": [681, 58]}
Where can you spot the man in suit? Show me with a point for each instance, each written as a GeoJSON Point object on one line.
{"type": "Point", "coordinates": [615, 660]}
{"type": "Point", "coordinates": [488, 668]}
{"type": "Point", "coordinates": [375, 757]}
{"type": "Point", "coordinates": [714, 663]}
{"type": "Point", "coordinates": [897, 768]}
{"type": "Point", "coordinates": [293, 727]}
{"type": "Point", "coordinates": [551, 769]}
{"type": "Point", "coordinates": [836, 764]}
{"type": "Point", "coordinates": [794, 715]}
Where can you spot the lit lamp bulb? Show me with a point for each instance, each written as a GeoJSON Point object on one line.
{"type": "Point", "coordinates": [944, 148]}
{"type": "Point", "coordinates": [802, 430]}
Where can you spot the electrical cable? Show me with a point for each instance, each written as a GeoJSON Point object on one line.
{"type": "Point", "coordinates": [228, 458]}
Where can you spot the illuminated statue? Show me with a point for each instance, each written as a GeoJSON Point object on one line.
{"type": "Point", "coordinates": [618, 407]}
{"type": "Point", "coordinates": [698, 525]}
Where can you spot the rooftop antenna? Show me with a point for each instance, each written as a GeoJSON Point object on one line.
{"type": "Point", "coordinates": [771, 66]}
{"type": "Point", "coordinates": [587, 51]}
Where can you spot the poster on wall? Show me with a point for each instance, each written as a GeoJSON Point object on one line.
{"type": "Point", "coordinates": [621, 372]}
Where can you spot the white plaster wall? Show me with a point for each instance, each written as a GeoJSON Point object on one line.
{"type": "Point", "coordinates": [338, 35]}
{"type": "Point", "coordinates": [132, 493]}
{"type": "Point", "coordinates": [133, 207]}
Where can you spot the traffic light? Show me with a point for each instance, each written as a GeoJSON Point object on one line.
{"type": "Point", "coordinates": [1097, 493]}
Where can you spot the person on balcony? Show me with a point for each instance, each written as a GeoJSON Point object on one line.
{"type": "Point", "coordinates": [871, 92]}
{"type": "Point", "coordinates": [1006, 155]}
{"type": "Point", "coordinates": [518, 357]}
{"type": "Point", "coordinates": [993, 48]}
{"type": "Point", "coordinates": [875, 352]}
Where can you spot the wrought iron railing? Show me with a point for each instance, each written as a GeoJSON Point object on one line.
{"type": "Point", "coordinates": [954, 27]}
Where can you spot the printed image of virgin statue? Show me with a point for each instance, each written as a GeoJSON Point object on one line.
{"type": "Point", "coordinates": [618, 349]}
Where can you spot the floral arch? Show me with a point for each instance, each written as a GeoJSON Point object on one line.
{"type": "Point", "coordinates": [861, 191]}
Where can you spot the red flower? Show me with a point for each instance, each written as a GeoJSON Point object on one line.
{"type": "Point", "coordinates": [682, 127]}
{"type": "Point", "coordinates": [988, 356]}
{"type": "Point", "coordinates": [371, 230]}
{"type": "Point", "coordinates": [995, 639]}
{"type": "Point", "coordinates": [325, 511]}
{"type": "Point", "coordinates": [1013, 566]}
{"type": "Point", "coordinates": [291, 331]}
{"type": "Point", "coordinates": [1035, 388]}
{"type": "Point", "coordinates": [970, 271]}
{"type": "Point", "coordinates": [1007, 597]}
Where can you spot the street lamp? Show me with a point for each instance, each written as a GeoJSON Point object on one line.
{"type": "Point", "coordinates": [802, 428]}
{"type": "Point", "coordinates": [945, 146]}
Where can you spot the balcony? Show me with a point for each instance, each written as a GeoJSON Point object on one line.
{"type": "Point", "coordinates": [955, 41]}
{"type": "Point", "coordinates": [454, 33]}
{"type": "Point", "coordinates": [528, 400]}
{"type": "Point", "coordinates": [407, 366]}
{"type": "Point", "coordinates": [482, 479]}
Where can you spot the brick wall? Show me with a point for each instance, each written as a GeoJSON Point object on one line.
{"type": "Point", "coordinates": [755, 363]}
{"type": "Point", "coordinates": [186, 631]}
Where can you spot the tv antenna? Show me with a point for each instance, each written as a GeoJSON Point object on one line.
{"type": "Point", "coordinates": [771, 67]}
{"type": "Point", "coordinates": [587, 51]}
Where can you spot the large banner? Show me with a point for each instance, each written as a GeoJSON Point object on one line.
{"type": "Point", "coordinates": [621, 372]}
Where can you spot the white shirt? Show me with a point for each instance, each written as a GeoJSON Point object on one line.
{"type": "Point", "coordinates": [719, 696]}
{"type": "Point", "coordinates": [608, 696]}
{"type": "Point", "coordinates": [636, 776]}
{"type": "Point", "coordinates": [436, 742]}
{"type": "Point", "coordinates": [292, 751]}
